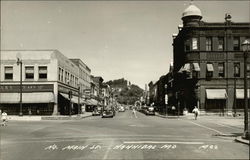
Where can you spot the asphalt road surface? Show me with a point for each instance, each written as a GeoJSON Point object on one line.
{"type": "Point", "coordinates": [121, 137]}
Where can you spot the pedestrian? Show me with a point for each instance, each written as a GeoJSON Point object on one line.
{"type": "Point", "coordinates": [4, 118]}
{"type": "Point", "coordinates": [196, 112]}
{"type": "Point", "coordinates": [134, 112]}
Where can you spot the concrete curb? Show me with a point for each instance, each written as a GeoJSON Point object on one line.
{"type": "Point", "coordinates": [66, 117]}
{"type": "Point", "coordinates": [241, 140]}
{"type": "Point", "coordinates": [39, 118]}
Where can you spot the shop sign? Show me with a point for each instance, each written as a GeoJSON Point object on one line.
{"type": "Point", "coordinates": [66, 90]}
{"type": "Point", "coordinates": [26, 88]}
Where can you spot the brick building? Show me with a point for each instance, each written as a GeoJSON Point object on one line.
{"type": "Point", "coordinates": [208, 63]}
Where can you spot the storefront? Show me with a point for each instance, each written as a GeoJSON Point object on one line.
{"type": "Point", "coordinates": [216, 100]}
{"type": "Point", "coordinates": [37, 99]}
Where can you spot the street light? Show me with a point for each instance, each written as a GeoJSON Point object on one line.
{"type": "Point", "coordinates": [245, 48]}
{"type": "Point", "coordinates": [19, 62]}
{"type": "Point", "coordinates": [79, 100]}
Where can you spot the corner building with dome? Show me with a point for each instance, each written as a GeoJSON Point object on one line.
{"type": "Point", "coordinates": [208, 69]}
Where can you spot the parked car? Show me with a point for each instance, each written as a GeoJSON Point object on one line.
{"type": "Point", "coordinates": [96, 113]}
{"type": "Point", "coordinates": [108, 113]}
{"type": "Point", "coordinates": [121, 109]}
{"type": "Point", "coordinates": [150, 111]}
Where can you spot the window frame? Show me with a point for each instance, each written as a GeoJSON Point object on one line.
{"type": "Point", "coordinates": [236, 74]}
{"type": "Point", "coordinates": [42, 73]}
{"type": "Point", "coordinates": [221, 39]}
{"type": "Point", "coordinates": [209, 44]}
{"type": "Point", "coordinates": [221, 73]}
{"type": "Point", "coordinates": [33, 74]}
{"type": "Point", "coordinates": [236, 48]}
{"type": "Point", "coordinates": [195, 39]}
{"type": "Point", "coordinates": [5, 73]}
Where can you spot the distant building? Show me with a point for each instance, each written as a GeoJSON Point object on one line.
{"type": "Point", "coordinates": [208, 63]}
{"type": "Point", "coordinates": [48, 78]}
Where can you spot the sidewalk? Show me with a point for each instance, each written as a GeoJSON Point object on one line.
{"type": "Point", "coordinates": [229, 121]}
{"type": "Point", "coordinates": [39, 118]}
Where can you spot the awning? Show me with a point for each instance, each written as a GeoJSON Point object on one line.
{"type": "Point", "coordinates": [74, 99]}
{"type": "Point", "coordinates": [33, 97]}
{"type": "Point", "coordinates": [185, 68]}
{"type": "Point", "coordinates": [216, 93]}
{"type": "Point", "coordinates": [240, 93]}
{"type": "Point", "coordinates": [210, 68]}
{"type": "Point", "coordinates": [92, 102]}
{"type": "Point", "coordinates": [196, 67]}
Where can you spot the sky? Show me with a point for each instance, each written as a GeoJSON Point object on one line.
{"type": "Point", "coordinates": [116, 39]}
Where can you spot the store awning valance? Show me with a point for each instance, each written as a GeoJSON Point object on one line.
{"type": "Point", "coordinates": [185, 68]}
{"type": "Point", "coordinates": [92, 102]}
{"type": "Point", "coordinates": [74, 99]}
{"type": "Point", "coordinates": [240, 93]}
{"type": "Point", "coordinates": [210, 68]}
{"type": "Point", "coordinates": [216, 94]}
{"type": "Point", "coordinates": [196, 67]}
{"type": "Point", "coordinates": [33, 97]}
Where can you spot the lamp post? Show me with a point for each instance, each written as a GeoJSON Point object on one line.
{"type": "Point", "coordinates": [245, 48]}
{"type": "Point", "coordinates": [79, 100]}
{"type": "Point", "coordinates": [19, 62]}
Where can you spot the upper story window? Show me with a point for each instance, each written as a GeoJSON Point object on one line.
{"type": "Point", "coordinates": [29, 72]}
{"type": "Point", "coordinates": [237, 69]}
{"type": "Point", "coordinates": [42, 72]}
{"type": "Point", "coordinates": [210, 70]}
{"type": "Point", "coordinates": [221, 70]}
{"type": "Point", "coordinates": [208, 43]}
{"type": "Point", "coordinates": [66, 77]}
{"type": "Point", "coordinates": [236, 44]}
{"type": "Point", "coordinates": [220, 43]}
{"type": "Point", "coordinates": [59, 74]}
{"type": "Point", "coordinates": [8, 73]}
{"type": "Point", "coordinates": [187, 45]}
{"type": "Point", "coordinates": [194, 43]}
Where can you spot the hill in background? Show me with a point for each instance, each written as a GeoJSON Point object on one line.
{"type": "Point", "coordinates": [124, 91]}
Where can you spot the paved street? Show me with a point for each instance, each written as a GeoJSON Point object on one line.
{"type": "Point", "coordinates": [123, 137]}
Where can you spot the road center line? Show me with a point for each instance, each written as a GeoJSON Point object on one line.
{"type": "Point", "coordinates": [161, 142]}
{"type": "Point", "coordinates": [207, 128]}
{"type": "Point", "coordinates": [108, 150]}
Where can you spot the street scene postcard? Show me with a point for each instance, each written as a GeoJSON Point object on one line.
{"type": "Point", "coordinates": [124, 79]}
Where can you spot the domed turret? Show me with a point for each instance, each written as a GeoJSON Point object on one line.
{"type": "Point", "coordinates": [191, 15]}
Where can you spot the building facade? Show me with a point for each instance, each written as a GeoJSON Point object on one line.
{"type": "Point", "coordinates": [208, 63]}
{"type": "Point", "coordinates": [50, 83]}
